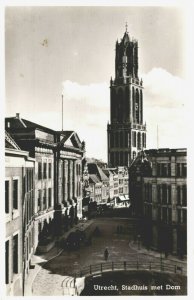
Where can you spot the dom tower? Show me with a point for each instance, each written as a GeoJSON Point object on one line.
{"type": "Point", "coordinates": [126, 131]}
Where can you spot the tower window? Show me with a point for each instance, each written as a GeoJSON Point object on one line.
{"type": "Point", "coordinates": [138, 141]}
{"type": "Point", "coordinates": [134, 138]}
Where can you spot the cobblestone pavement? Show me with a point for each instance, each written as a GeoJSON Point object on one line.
{"type": "Point", "coordinates": [48, 281]}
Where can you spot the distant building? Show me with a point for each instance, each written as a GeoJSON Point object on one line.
{"type": "Point", "coordinates": [123, 178]}
{"type": "Point", "coordinates": [126, 131]}
{"type": "Point", "coordinates": [95, 189]}
{"type": "Point", "coordinates": [110, 173]}
{"type": "Point", "coordinates": [96, 173]}
{"type": "Point", "coordinates": [19, 215]}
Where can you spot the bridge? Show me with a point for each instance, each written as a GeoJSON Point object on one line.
{"type": "Point", "coordinates": [70, 283]}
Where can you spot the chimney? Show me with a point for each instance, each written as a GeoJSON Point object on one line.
{"type": "Point", "coordinates": [17, 115]}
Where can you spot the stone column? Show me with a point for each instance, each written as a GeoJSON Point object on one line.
{"type": "Point", "coordinates": [154, 202]}
{"type": "Point", "coordinates": [70, 179]}
{"type": "Point", "coordinates": [59, 181]}
{"type": "Point", "coordinates": [75, 179]}
{"type": "Point", "coordinates": [174, 241]}
{"type": "Point", "coordinates": [173, 200]}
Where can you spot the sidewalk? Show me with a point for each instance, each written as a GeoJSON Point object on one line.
{"type": "Point", "coordinates": [170, 259]}
{"type": "Point", "coordinates": [45, 257]}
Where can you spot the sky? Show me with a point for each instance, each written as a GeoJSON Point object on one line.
{"type": "Point", "coordinates": [50, 51]}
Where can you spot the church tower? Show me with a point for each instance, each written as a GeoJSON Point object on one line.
{"type": "Point", "coordinates": [126, 131]}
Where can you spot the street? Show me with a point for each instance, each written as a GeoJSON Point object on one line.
{"type": "Point", "coordinates": [48, 281]}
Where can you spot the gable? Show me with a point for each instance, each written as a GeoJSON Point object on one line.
{"type": "Point", "coordinates": [9, 142]}
{"type": "Point", "coordinates": [72, 140]}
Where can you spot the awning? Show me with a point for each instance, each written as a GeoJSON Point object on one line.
{"type": "Point", "coordinates": [122, 198]}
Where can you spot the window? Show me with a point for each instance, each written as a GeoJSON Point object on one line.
{"type": "Point", "coordinates": [15, 254]}
{"type": "Point", "coordinates": [184, 194]}
{"type": "Point", "coordinates": [44, 199]}
{"type": "Point", "coordinates": [178, 170]}
{"type": "Point", "coordinates": [184, 170]}
{"type": "Point", "coordinates": [164, 214]}
{"type": "Point", "coordinates": [45, 170]}
{"type": "Point", "coordinates": [169, 215]}
{"type": "Point", "coordinates": [163, 170]}
{"type": "Point", "coordinates": [15, 194]}
{"type": "Point", "coordinates": [39, 170]}
{"type": "Point", "coordinates": [158, 194]}
{"type": "Point", "coordinates": [7, 262]}
{"type": "Point", "coordinates": [178, 195]}
{"type": "Point", "coordinates": [181, 170]}
{"type": "Point", "coordinates": [164, 194]}
{"type": "Point", "coordinates": [120, 190]}
{"type": "Point", "coordinates": [139, 141]}
{"type": "Point", "coordinates": [120, 181]}
{"type": "Point", "coordinates": [134, 138]}
{"type": "Point", "coordinates": [184, 216]}
{"type": "Point", "coordinates": [49, 197]}
{"type": "Point", "coordinates": [50, 170]}
{"type": "Point", "coordinates": [179, 216]}
{"type": "Point", "coordinates": [6, 196]}
{"type": "Point", "coordinates": [169, 194]}
{"type": "Point", "coordinates": [39, 200]}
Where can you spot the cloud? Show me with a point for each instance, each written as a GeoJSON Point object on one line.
{"type": "Point", "coordinates": [162, 89]}
{"type": "Point", "coordinates": [165, 104]}
{"type": "Point", "coordinates": [87, 110]}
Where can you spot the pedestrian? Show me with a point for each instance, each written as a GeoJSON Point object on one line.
{"type": "Point", "coordinates": [106, 254]}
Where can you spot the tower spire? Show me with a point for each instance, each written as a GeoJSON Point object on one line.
{"type": "Point", "coordinates": [126, 26]}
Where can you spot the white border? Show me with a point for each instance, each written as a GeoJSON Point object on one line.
{"type": "Point", "coordinates": [189, 4]}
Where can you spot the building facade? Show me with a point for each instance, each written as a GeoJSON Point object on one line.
{"type": "Point", "coordinates": [68, 173]}
{"type": "Point", "coordinates": [158, 193]}
{"type": "Point", "coordinates": [123, 178]}
{"type": "Point", "coordinates": [58, 169]}
{"type": "Point", "coordinates": [126, 131]}
{"type": "Point", "coordinates": [19, 216]}
{"type": "Point", "coordinates": [39, 141]}
{"type": "Point", "coordinates": [165, 200]}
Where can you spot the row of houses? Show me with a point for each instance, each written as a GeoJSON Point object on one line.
{"type": "Point", "coordinates": [43, 192]}
{"type": "Point", "coordinates": [158, 192]}
{"type": "Point", "coordinates": [103, 185]}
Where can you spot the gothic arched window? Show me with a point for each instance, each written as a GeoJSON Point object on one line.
{"type": "Point", "coordinates": [138, 141]}
{"type": "Point", "coordinates": [141, 107]}
{"type": "Point", "coordinates": [137, 106]}
{"type": "Point", "coordinates": [120, 105]}
{"type": "Point", "coordinates": [133, 102]}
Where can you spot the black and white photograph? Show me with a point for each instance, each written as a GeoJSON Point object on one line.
{"type": "Point", "coordinates": [96, 137]}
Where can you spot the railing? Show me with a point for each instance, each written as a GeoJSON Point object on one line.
{"type": "Point", "coordinates": [129, 266]}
